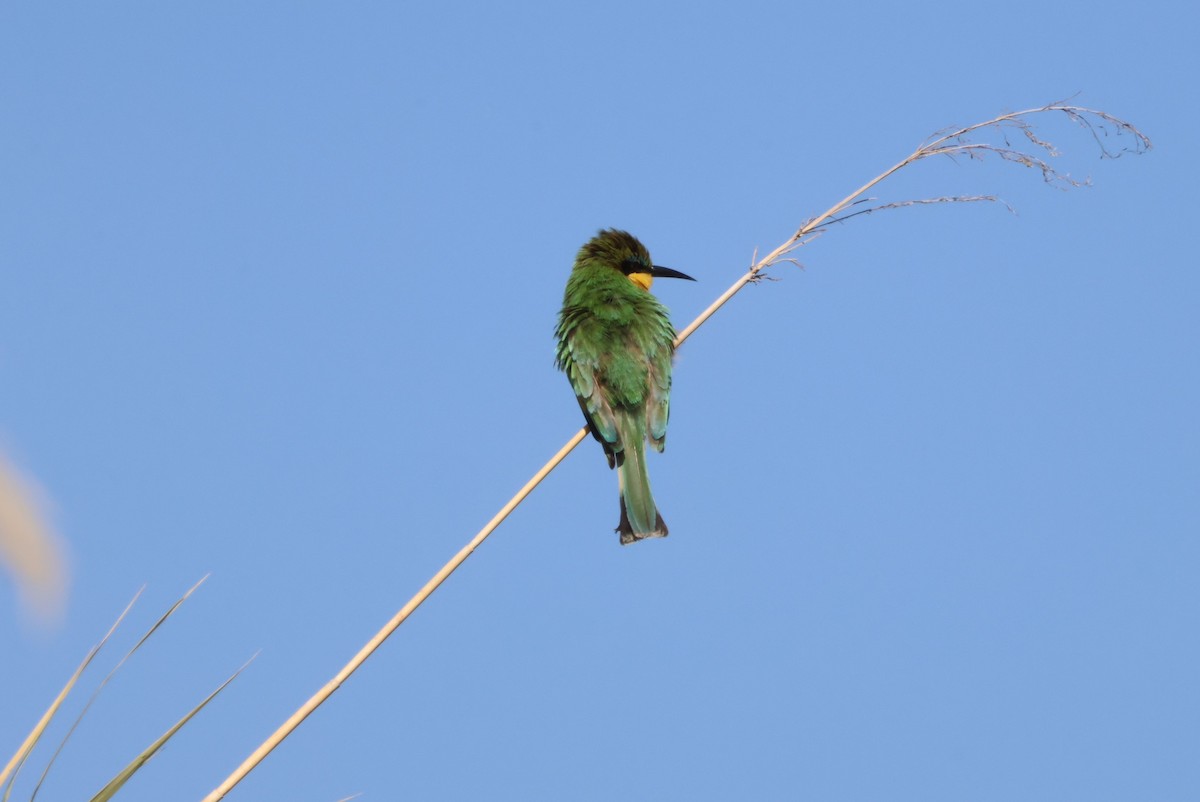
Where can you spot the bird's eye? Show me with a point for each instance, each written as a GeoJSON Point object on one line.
{"type": "Point", "coordinates": [632, 265]}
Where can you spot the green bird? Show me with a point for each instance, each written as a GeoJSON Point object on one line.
{"type": "Point", "coordinates": [615, 343]}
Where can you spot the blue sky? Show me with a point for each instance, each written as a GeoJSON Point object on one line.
{"type": "Point", "coordinates": [277, 289]}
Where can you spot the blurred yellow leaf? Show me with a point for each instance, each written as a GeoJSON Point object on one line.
{"type": "Point", "coordinates": [29, 549]}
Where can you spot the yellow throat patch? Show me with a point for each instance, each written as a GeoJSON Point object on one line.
{"type": "Point", "coordinates": [643, 280]}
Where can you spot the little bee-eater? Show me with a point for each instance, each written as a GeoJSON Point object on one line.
{"type": "Point", "coordinates": [615, 343]}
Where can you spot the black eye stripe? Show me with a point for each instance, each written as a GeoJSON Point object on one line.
{"type": "Point", "coordinates": [633, 266]}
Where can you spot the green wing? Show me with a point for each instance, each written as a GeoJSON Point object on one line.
{"type": "Point", "coordinates": [659, 349]}
{"type": "Point", "coordinates": [658, 406]}
{"type": "Point", "coordinates": [639, 370]}
{"type": "Point", "coordinates": [579, 356]}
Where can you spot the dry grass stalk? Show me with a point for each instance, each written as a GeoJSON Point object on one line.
{"type": "Point", "coordinates": [8, 776]}
{"type": "Point", "coordinates": [108, 677]}
{"type": "Point", "coordinates": [949, 142]}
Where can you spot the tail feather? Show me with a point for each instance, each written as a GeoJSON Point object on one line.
{"type": "Point", "coordinates": [626, 530]}
{"type": "Point", "coordinates": [639, 516]}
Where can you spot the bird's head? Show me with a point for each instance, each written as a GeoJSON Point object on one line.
{"type": "Point", "coordinates": [622, 251]}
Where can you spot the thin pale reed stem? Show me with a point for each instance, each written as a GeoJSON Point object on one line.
{"type": "Point", "coordinates": [416, 601]}
{"type": "Point", "coordinates": [945, 144]}
{"type": "Point", "coordinates": [788, 245]}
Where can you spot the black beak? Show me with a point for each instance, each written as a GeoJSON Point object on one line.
{"type": "Point", "coordinates": [666, 272]}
